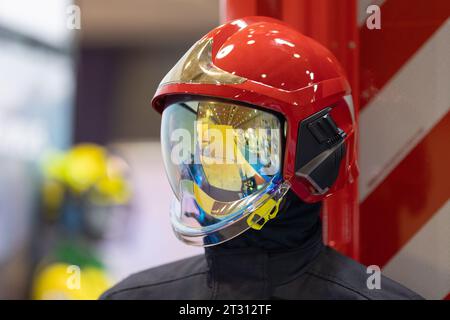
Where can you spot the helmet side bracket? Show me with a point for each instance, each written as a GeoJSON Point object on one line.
{"type": "Point", "coordinates": [320, 150]}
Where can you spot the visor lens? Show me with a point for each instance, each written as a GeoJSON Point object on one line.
{"type": "Point", "coordinates": [220, 158]}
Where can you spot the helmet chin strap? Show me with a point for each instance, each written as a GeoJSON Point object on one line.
{"type": "Point", "coordinates": [296, 225]}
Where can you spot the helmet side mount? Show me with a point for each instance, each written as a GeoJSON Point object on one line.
{"type": "Point", "coordinates": [320, 150]}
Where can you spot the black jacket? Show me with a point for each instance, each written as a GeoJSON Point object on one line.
{"type": "Point", "coordinates": [285, 260]}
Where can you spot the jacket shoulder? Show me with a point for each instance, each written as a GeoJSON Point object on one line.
{"type": "Point", "coordinates": [182, 279]}
{"type": "Point", "coordinates": [339, 277]}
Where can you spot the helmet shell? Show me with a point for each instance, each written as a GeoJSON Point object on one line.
{"type": "Point", "coordinates": [282, 71]}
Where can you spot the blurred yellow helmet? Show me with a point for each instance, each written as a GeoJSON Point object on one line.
{"type": "Point", "coordinates": [61, 281]}
{"type": "Point", "coordinates": [86, 167]}
{"type": "Point", "coordinates": [86, 164]}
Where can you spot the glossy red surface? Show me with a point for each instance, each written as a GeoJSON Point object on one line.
{"type": "Point", "coordinates": [286, 72]}
{"type": "Point", "coordinates": [275, 55]}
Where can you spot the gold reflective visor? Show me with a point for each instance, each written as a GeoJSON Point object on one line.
{"type": "Point", "coordinates": [223, 161]}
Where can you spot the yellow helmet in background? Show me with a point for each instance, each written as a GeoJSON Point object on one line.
{"type": "Point", "coordinates": [85, 164]}
{"type": "Point", "coordinates": [86, 168]}
{"type": "Point", "coordinates": [62, 281]}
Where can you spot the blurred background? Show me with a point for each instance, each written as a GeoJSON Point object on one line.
{"type": "Point", "coordinates": [81, 176]}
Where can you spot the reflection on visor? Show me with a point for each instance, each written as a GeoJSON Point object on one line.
{"type": "Point", "coordinates": [238, 149]}
{"type": "Point", "coordinates": [222, 160]}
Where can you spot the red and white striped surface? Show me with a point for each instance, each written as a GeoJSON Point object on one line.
{"type": "Point", "coordinates": [405, 143]}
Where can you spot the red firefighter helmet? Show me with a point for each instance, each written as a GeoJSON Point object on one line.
{"type": "Point", "coordinates": [278, 101]}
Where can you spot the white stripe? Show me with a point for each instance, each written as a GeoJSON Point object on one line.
{"type": "Point", "coordinates": [423, 264]}
{"type": "Point", "coordinates": [407, 108]}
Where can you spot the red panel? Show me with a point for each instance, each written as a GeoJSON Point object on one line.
{"type": "Point", "coordinates": [269, 8]}
{"type": "Point", "coordinates": [407, 198]}
{"type": "Point", "coordinates": [233, 9]}
{"type": "Point", "coordinates": [405, 26]}
{"type": "Point", "coordinates": [292, 11]}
